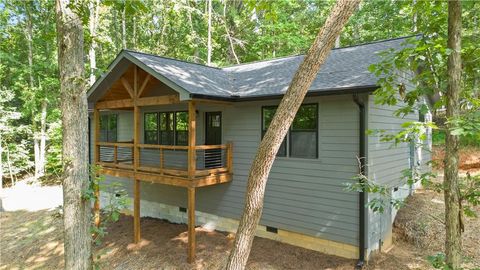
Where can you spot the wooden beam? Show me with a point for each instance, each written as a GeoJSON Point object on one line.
{"type": "Point", "coordinates": [135, 82]}
{"type": "Point", "coordinates": [144, 85]}
{"type": "Point", "coordinates": [114, 104]}
{"type": "Point", "coordinates": [136, 212]}
{"type": "Point", "coordinates": [136, 136]}
{"type": "Point", "coordinates": [213, 180]}
{"type": "Point", "coordinates": [168, 180]}
{"type": "Point", "coordinates": [136, 164]}
{"type": "Point", "coordinates": [127, 86]}
{"type": "Point", "coordinates": [96, 154]}
{"type": "Point", "coordinates": [118, 144]}
{"type": "Point", "coordinates": [159, 100]}
{"type": "Point", "coordinates": [191, 139]}
{"type": "Point", "coordinates": [230, 157]}
{"type": "Point", "coordinates": [96, 135]}
{"type": "Point", "coordinates": [191, 225]}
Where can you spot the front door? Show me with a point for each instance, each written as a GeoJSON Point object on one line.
{"type": "Point", "coordinates": [213, 136]}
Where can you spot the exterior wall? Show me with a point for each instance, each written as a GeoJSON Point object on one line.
{"type": "Point", "coordinates": [386, 164]}
{"type": "Point", "coordinates": [303, 196]}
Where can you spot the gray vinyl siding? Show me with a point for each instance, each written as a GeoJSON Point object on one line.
{"type": "Point", "coordinates": [385, 160]}
{"type": "Point", "coordinates": [385, 165]}
{"type": "Point", "coordinates": [303, 195]}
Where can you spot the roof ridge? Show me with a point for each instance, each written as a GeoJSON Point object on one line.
{"type": "Point", "coordinates": [266, 60]}
{"type": "Point", "coordinates": [169, 58]}
{"type": "Point", "coordinates": [333, 49]}
{"type": "Point", "coordinates": [378, 41]}
{"type": "Point", "coordinates": [262, 61]}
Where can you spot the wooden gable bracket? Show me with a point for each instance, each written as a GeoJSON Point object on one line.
{"type": "Point", "coordinates": [144, 85]}
{"type": "Point", "coordinates": [127, 86]}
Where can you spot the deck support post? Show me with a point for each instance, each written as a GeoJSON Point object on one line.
{"type": "Point", "coordinates": [136, 211]}
{"type": "Point", "coordinates": [136, 160]}
{"type": "Point", "coordinates": [191, 175]}
{"type": "Point", "coordinates": [96, 159]}
{"type": "Point", "coordinates": [191, 139]}
{"type": "Point", "coordinates": [191, 225]}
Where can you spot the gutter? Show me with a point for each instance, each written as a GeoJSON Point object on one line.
{"type": "Point", "coordinates": [311, 93]}
{"type": "Point", "coordinates": [362, 196]}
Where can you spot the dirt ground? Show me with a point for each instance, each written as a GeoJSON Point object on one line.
{"type": "Point", "coordinates": [32, 239]}
{"type": "Point", "coordinates": [469, 159]}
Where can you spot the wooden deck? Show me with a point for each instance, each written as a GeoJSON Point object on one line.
{"type": "Point", "coordinates": [134, 160]}
{"type": "Point", "coordinates": [119, 159]}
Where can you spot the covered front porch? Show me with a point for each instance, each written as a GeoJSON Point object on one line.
{"type": "Point", "coordinates": [158, 144]}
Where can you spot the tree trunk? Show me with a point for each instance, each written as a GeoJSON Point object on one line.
{"type": "Point", "coordinates": [414, 17]}
{"type": "Point", "coordinates": [29, 36]}
{"type": "Point", "coordinates": [134, 34]}
{"type": "Point", "coordinates": [230, 41]}
{"type": "Point", "coordinates": [337, 42]}
{"type": "Point", "coordinates": [453, 210]}
{"type": "Point", "coordinates": [92, 25]}
{"type": "Point", "coordinates": [124, 26]}
{"type": "Point", "coordinates": [43, 139]}
{"type": "Point", "coordinates": [73, 104]}
{"type": "Point", "coordinates": [1, 162]}
{"type": "Point", "coordinates": [257, 179]}
{"type": "Point", "coordinates": [9, 164]}
{"type": "Point", "coordinates": [209, 38]}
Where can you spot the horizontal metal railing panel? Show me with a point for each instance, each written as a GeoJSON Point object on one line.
{"type": "Point", "coordinates": [164, 159]}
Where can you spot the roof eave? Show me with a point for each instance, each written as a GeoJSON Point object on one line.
{"type": "Point", "coordinates": [327, 92]}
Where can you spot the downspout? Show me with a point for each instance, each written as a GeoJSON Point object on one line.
{"type": "Point", "coordinates": [361, 195]}
{"type": "Point", "coordinates": [89, 145]}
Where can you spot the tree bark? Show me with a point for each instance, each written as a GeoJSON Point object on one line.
{"type": "Point", "coordinates": [209, 38]}
{"type": "Point", "coordinates": [36, 141]}
{"type": "Point", "coordinates": [124, 26]}
{"type": "Point", "coordinates": [227, 31]}
{"type": "Point", "coordinates": [73, 104]}
{"type": "Point", "coordinates": [453, 210]}
{"type": "Point", "coordinates": [1, 162]}
{"type": "Point", "coordinates": [43, 139]}
{"type": "Point", "coordinates": [92, 26]}
{"type": "Point", "coordinates": [337, 42]}
{"type": "Point", "coordinates": [257, 179]}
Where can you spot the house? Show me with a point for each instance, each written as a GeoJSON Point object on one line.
{"type": "Point", "coordinates": [181, 135]}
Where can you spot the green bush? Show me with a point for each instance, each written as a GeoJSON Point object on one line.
{"type": "Point", "coordinates": [438, 138]}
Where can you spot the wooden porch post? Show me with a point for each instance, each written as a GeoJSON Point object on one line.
{"type": "Point", "coordinates": [191, 224]}
{"type": "Point", "coordinates": [191, 174]}
{"type": "Point", "coordinates": [96, 159]}
{"type": "Point", "coordinates": [191, 139]}
{"type": "Point", "coordinates": [136, 162]}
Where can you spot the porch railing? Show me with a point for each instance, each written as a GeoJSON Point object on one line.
{"type": "Point", "coordinates": [165, 159]}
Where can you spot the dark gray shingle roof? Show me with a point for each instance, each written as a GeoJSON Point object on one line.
{"type": "Point", "coordinates": [345, 68]}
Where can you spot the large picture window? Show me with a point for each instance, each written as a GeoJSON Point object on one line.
{"type": "Point", "coordinates": [302, 137]}
{"type": "Point", "coordinates": [108, 128]}
{"type": "Point", "coordinates": [166, 128]}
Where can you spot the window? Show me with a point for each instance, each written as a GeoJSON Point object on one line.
{"type": "Point", "coordinates": [267, 117]}
{"type": "Point", "coordinates": [166, 128]}
{"type": "Point", "coordinates": [303, 132]}
{"type": "Point", "coordinates": [151, 128]}
{"type": "Point", "coordinates": [108, 128]}
{"type": "Point", "coordinates": [303, 135]}
{"type": "Point", "coordinates": [181, 128]}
